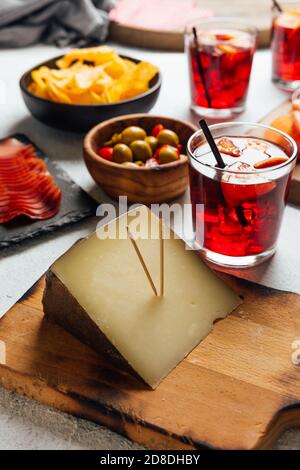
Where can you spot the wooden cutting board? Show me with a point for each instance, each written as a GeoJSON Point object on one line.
{"type": "Point", "coordinates": [239, 389]}
{"type": "Point", "coordinates": [255, 12]}
{"type": "Point", "coordinates": [281, 110]}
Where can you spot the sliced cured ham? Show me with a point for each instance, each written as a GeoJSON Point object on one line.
{"type": "Point", "coordinates": [163, 15]}
{"type": "Point", "coordinates": [26, 187]}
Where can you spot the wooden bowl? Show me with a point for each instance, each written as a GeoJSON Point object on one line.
{"type": "Point", "coordinates": [140, 184]}
{"type": "Point", "coordinates": [81, 117]}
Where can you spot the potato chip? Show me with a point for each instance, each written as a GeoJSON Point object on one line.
{"type": "Point", "coordinates": [144, 72]}
{"type": "Point", "coordinates": [92, 76]}
{"type": "Point", "coordinates": [57, 95]}
{"type": "Point", "coordinates": [97, 55]}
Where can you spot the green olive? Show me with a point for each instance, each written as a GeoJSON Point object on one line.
{"type": "Point", "coordinates": [152, 141]}
{"type": "Point", "coordinates": [166, 136]}
{"type": "Point", "coordinates": [132, 133]}
{"type": "Point", "coordinates": [115, 139]}
{"type": "Point", "coordinates": [167, 154]}
{"type": "Point", "coordinates": [122, 153]}
{"type": "Point", "coordinates": [141, 150]}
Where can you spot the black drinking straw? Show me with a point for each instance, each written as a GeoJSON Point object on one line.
{"type": "Point", "coordinates": [200, 68]}
{"type": "Point", "coordinates": [211, 142]}
{"type": "Point", "coordinates": [277, 6]}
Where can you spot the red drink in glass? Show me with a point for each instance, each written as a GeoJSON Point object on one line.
{"type": "Point", "coordinates": [295, 116]}
{"type": "Point", "coordinates": [237, 211]}
{"type": "Point", "coordinates": [224, 51]}
{"type": "Point", "coordinates": [286, 46]}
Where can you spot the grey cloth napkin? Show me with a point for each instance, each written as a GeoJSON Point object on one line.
{"type": "Point", "coordinates": [59, 22]}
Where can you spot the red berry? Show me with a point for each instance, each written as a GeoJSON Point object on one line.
{"type": "Point", "coordinates": [106, 153]}
{"type": "Point", "coordinates": [156, 154]}
{"type": "Point", "coordinates": [157, 129]}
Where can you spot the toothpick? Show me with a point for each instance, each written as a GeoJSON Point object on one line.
{"type": "Point", "coordinates": [277, 6]}
{"type": "Point", "coordinates": [142, 261]}
{"type": "Point", "coordinates": [161, 257]}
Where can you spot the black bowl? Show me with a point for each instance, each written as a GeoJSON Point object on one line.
{"type": "Point", "coordinates": [80, 118]}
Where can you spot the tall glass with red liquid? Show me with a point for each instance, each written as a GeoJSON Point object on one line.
{"type": "Point", "coordinates": [220, 61]}
{"type": "Point", "coordinates": [237, 211]}
{"type": "Point", "coordinates": [286, 45]}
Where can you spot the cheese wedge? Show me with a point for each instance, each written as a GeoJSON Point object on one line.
{"type": "Point", "coordinates": [99, 292]}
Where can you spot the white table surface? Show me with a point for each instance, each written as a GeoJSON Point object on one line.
{"type": "Point", "coordinates": [21, 267]}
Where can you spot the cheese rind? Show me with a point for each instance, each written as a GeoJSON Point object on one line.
{"type": "Point", "coordinates": [152, 334]}
{"type": "Point", "coordinates": [63, 308]}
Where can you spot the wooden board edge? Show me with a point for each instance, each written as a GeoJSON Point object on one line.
{"type": "Point", "coordinates": [286, 419]}
{"type": "Point", "coordinates": [286, 415]}
{"type": "Point", "coordinates": [151, 437]}
{"type": "Point", "coordinates": [137, 430]}
{"type": "Point", "coordinates": [266, 117]}
{"type": "Point", "coordinates": [164, 40]}
{"type": "Point", "coordinates": [145, 38]}
{"type": "Point", "coordinates": [80, 407]}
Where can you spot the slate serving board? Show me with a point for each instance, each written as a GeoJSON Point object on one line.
{"type": "Point", "coordinates": [76, 205]}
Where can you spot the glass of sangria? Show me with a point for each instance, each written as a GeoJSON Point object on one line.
{"type": "Point", "coordinates": [220, 53]}
{"type": "Point", "coordinates": [295, 116]}
{"type": "Point", "coordinates": [285, 45]}
{"type": "Point", "coordinates": [237, 211]}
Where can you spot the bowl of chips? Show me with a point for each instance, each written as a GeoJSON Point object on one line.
{"type": "Point", "coordinates": [86, 86]}
{"type": "Point", "coordinates": [148, 181]}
